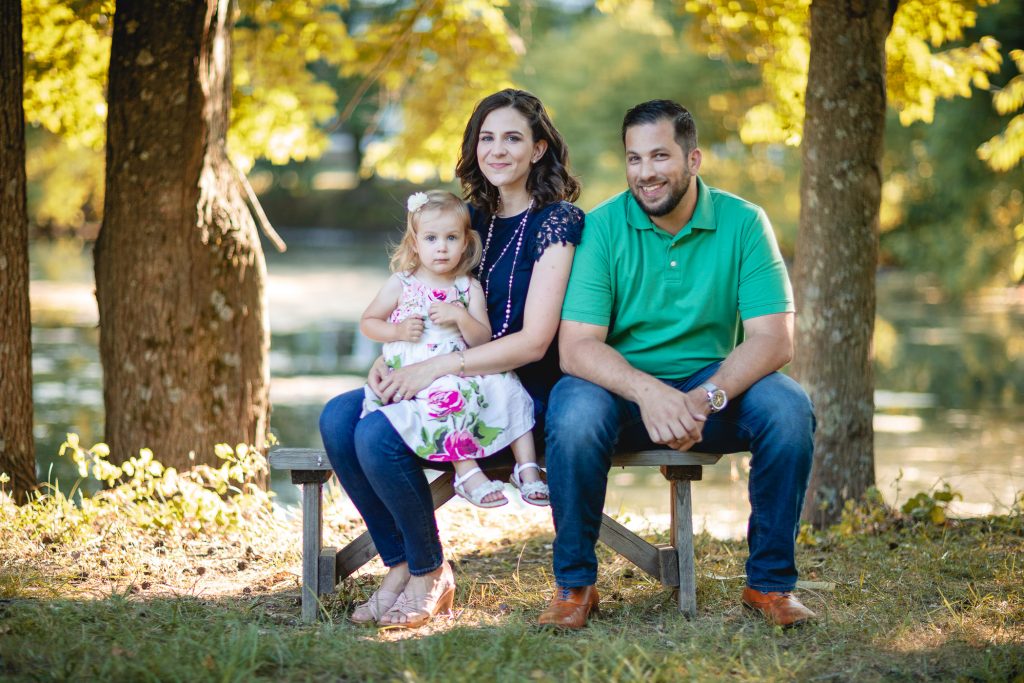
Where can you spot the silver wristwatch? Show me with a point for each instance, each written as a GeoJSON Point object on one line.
{"type": "Point", "coordinates": [716, 396]}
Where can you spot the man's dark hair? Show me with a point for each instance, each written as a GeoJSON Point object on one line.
{"type": "Point", "coordinates": [657, 110]}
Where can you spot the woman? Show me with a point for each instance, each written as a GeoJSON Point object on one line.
{"type": "Point", "coordinates": [514, 172]}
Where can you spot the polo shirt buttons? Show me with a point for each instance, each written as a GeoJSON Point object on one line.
{"type": "Point", "coordinates": [672, 263]}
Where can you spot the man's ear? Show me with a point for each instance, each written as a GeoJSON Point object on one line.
{"type": "Point", "coordinates": [694, 160]}
{"type": "Point", "coordinates": [539, 148]}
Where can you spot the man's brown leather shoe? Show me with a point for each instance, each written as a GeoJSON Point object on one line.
{"type": "Point", "coordinates": [570, 607]}
{"type": "Point", "coordinates": [782, 609]}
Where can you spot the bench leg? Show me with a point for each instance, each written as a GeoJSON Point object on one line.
{"type": "Point", "coordinates": [312, 482]}
{"type": "Point", "coordinates": [312, 535]}
{"type": "Point", "coordinates": [682, 538]}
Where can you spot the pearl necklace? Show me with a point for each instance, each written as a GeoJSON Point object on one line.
{"type": "Point", "coordinates": [518, 235]}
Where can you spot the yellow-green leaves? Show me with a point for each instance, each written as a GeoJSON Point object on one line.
{"type": "Point", "coordinates": [432, 61]}
{"type": "Point", "coordinates": [67, 51]}
{"type": "Point", "coordinates": [773, 34]}
{"type": "Point", "coordinates": [1005, 150]}
{"type": "Point", "coordinates": [279, 107]}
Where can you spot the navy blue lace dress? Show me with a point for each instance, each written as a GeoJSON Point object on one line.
{"type": "Point", "coordinates": [559, 223]}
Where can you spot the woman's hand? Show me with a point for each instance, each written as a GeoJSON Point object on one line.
{"type": "Point", "coordinates": [406, 382]}
{"type": "Point", "coordinates": [378, 371]}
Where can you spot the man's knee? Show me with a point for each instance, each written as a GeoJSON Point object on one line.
{"type": "Point", "coordinates": [582, 418]}
{"type": "Point", "coordinates": [581, 411]}
{"type": "Point", "coordinates": [779, 394]}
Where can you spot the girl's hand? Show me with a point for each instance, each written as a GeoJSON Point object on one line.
{"type": "Point", "coordinates": [446, 314]}
{"type": "Point", "coordinates": [410, 330]}
{"type": "Point", "coordinates": [378, 371]}
{"type": "Point", "coordinates": [404, 383]}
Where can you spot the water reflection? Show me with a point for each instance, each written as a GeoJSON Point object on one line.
{"type": "Point", "coordinates": [950, 379]}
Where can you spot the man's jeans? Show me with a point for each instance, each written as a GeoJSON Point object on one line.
{"type": "Point", "coordinates": [773, 420]}
{"type": "Point", "coordinates": [385, 482]}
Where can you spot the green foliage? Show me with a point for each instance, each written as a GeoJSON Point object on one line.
{"type": "Point", "coordinates": [932, 507]}
{"type": "Point", "coordinates": [144, 495]}
{"type": "Point", "coordinates": [432, 62]}
{"type": "Point", "coordinates": [1005, 150]}
{"type": "Point", "coordinates": [868, 516]}
{"type": "Point", "coordinates": [67, 52]}
{"type": "Point", "coordinates": [774, 36]}
{"type": "Point", "coordinates": [279, 107]}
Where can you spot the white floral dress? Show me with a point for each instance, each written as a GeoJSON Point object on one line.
{"type": "Point", "coordinates": [455, 418]}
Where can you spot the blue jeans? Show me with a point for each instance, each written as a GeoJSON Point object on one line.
{"type": "Point", "coordinates": [773, 420]}
{"type": "Point", "coordinates": [384, 480]}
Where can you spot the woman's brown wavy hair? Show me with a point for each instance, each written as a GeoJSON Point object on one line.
{"type": "Point", "coordinates": [549, 180]}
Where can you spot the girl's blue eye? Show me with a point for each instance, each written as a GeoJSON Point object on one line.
{"type": "Point", "coordinates": [453, 238]}
{"type": "Point", "coordinates": [430, 238]}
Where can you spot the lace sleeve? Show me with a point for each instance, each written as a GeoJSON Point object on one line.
{"type": "Point", "coordinates": [562, 225]}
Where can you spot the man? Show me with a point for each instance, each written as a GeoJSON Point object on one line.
{"type": "Point", "coordinates": [664, 276]}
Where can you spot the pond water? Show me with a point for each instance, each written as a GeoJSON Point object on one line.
{"type": "Point", "coordinates": [950, 378]}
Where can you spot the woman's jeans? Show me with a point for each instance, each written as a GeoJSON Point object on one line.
{"type": "Point", "coordinates": [773, 420]}
{"type": "Point", "coordinates": [385, 482]}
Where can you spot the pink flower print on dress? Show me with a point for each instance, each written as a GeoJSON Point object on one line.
{"type": "Point", "coordinates": [461, 446]}
{"type": "Point", "coordinates": [442, 403]}
{"type": "Point", "coordinates": [438, 295]}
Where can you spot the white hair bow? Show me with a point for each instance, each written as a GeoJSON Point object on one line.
{"type": "Point", "coordinates": [416, 201]}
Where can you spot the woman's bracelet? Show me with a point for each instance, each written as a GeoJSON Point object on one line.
{"type": "Point", "coordinates": [462, 363]}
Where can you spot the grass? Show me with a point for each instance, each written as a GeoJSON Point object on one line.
{"type": "Point", "coordinates": [897, 600]}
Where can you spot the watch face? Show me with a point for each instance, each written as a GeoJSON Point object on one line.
{"type": "Point", "coordinates": [718, 400]}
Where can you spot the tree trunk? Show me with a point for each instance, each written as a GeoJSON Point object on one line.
{"type": "Point", "coordinates": [17, 451]}
{"type": "Point", "coordinates": [179, 267]}
{"type": "Point", "coordinates": [837, 246]}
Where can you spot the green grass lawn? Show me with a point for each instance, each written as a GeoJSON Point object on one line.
{"type": "Point", "coordinates": [896, 601]}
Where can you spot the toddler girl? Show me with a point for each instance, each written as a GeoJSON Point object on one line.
{"type": "Point", "coordinates": [430, 306]}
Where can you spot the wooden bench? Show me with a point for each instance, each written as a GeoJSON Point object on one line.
{"type": "Point", "coordinates": [672, 565]}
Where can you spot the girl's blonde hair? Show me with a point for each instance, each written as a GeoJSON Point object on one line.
{"type": "Point", "coordinates": [404, 257]}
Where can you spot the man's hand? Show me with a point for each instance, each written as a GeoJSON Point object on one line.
{"type": "Point", "coordinates": [673, 418]}
{"type": "Point", "coordinates": [446, 314]}
{"type": "Point", "coordinates": [410, 330]}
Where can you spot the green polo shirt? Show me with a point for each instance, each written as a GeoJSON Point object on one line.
{"type": "Point", "coordinates": [674, 304]}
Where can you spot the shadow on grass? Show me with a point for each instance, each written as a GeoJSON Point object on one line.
{"type": "Point", "coordinates": [911, 603]}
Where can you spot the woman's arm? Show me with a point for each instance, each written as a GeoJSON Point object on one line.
{"type": "Point", "coordinates": [540, 322]}
{"type": "Point", "coordinates": [374, 323]}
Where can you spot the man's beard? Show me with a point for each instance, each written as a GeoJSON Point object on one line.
{"type": "Point", "coordinates": [669, 203]}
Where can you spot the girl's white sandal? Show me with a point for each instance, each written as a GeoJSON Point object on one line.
{"type": "Point", "coordinates": [527, 489]}
{"type": "Point", "coordinates": [477, 495]}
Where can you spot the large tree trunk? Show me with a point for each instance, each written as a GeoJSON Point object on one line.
{"type": "Point", "coordinates": [17, 453]}
{"type": "Point", "coordinates": [179, 268]}
{"type": "Point", "coordinates": [837, 247]}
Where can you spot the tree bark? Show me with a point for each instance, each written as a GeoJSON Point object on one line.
{"type": "Point", "coordinates": [17, 450]}
{"type": "Point", "coordinates": [837, 245]}
{"type": "Point", "coordinates": [179, 267]}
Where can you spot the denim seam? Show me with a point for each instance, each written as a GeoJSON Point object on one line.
{"type": "Point", "coordinates": [768, 588]}
{"type": "Point", "coordinates": [424, 572]}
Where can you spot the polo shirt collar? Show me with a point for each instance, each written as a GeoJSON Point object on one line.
{"type": "Point", "coordinates": [703, 214]}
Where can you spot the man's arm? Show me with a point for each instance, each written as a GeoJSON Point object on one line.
{"type": "Point", "coordinates": [672, 417]}
{"type": "Point", "coordinates": [767, 346]}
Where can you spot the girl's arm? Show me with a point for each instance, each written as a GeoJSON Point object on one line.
{"type": "Point", "coordinates": [473, 324]}
{"type": "Point", "coordinates": [540, 323]}
{"type": "Point", "coordinates": [374, 323]}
